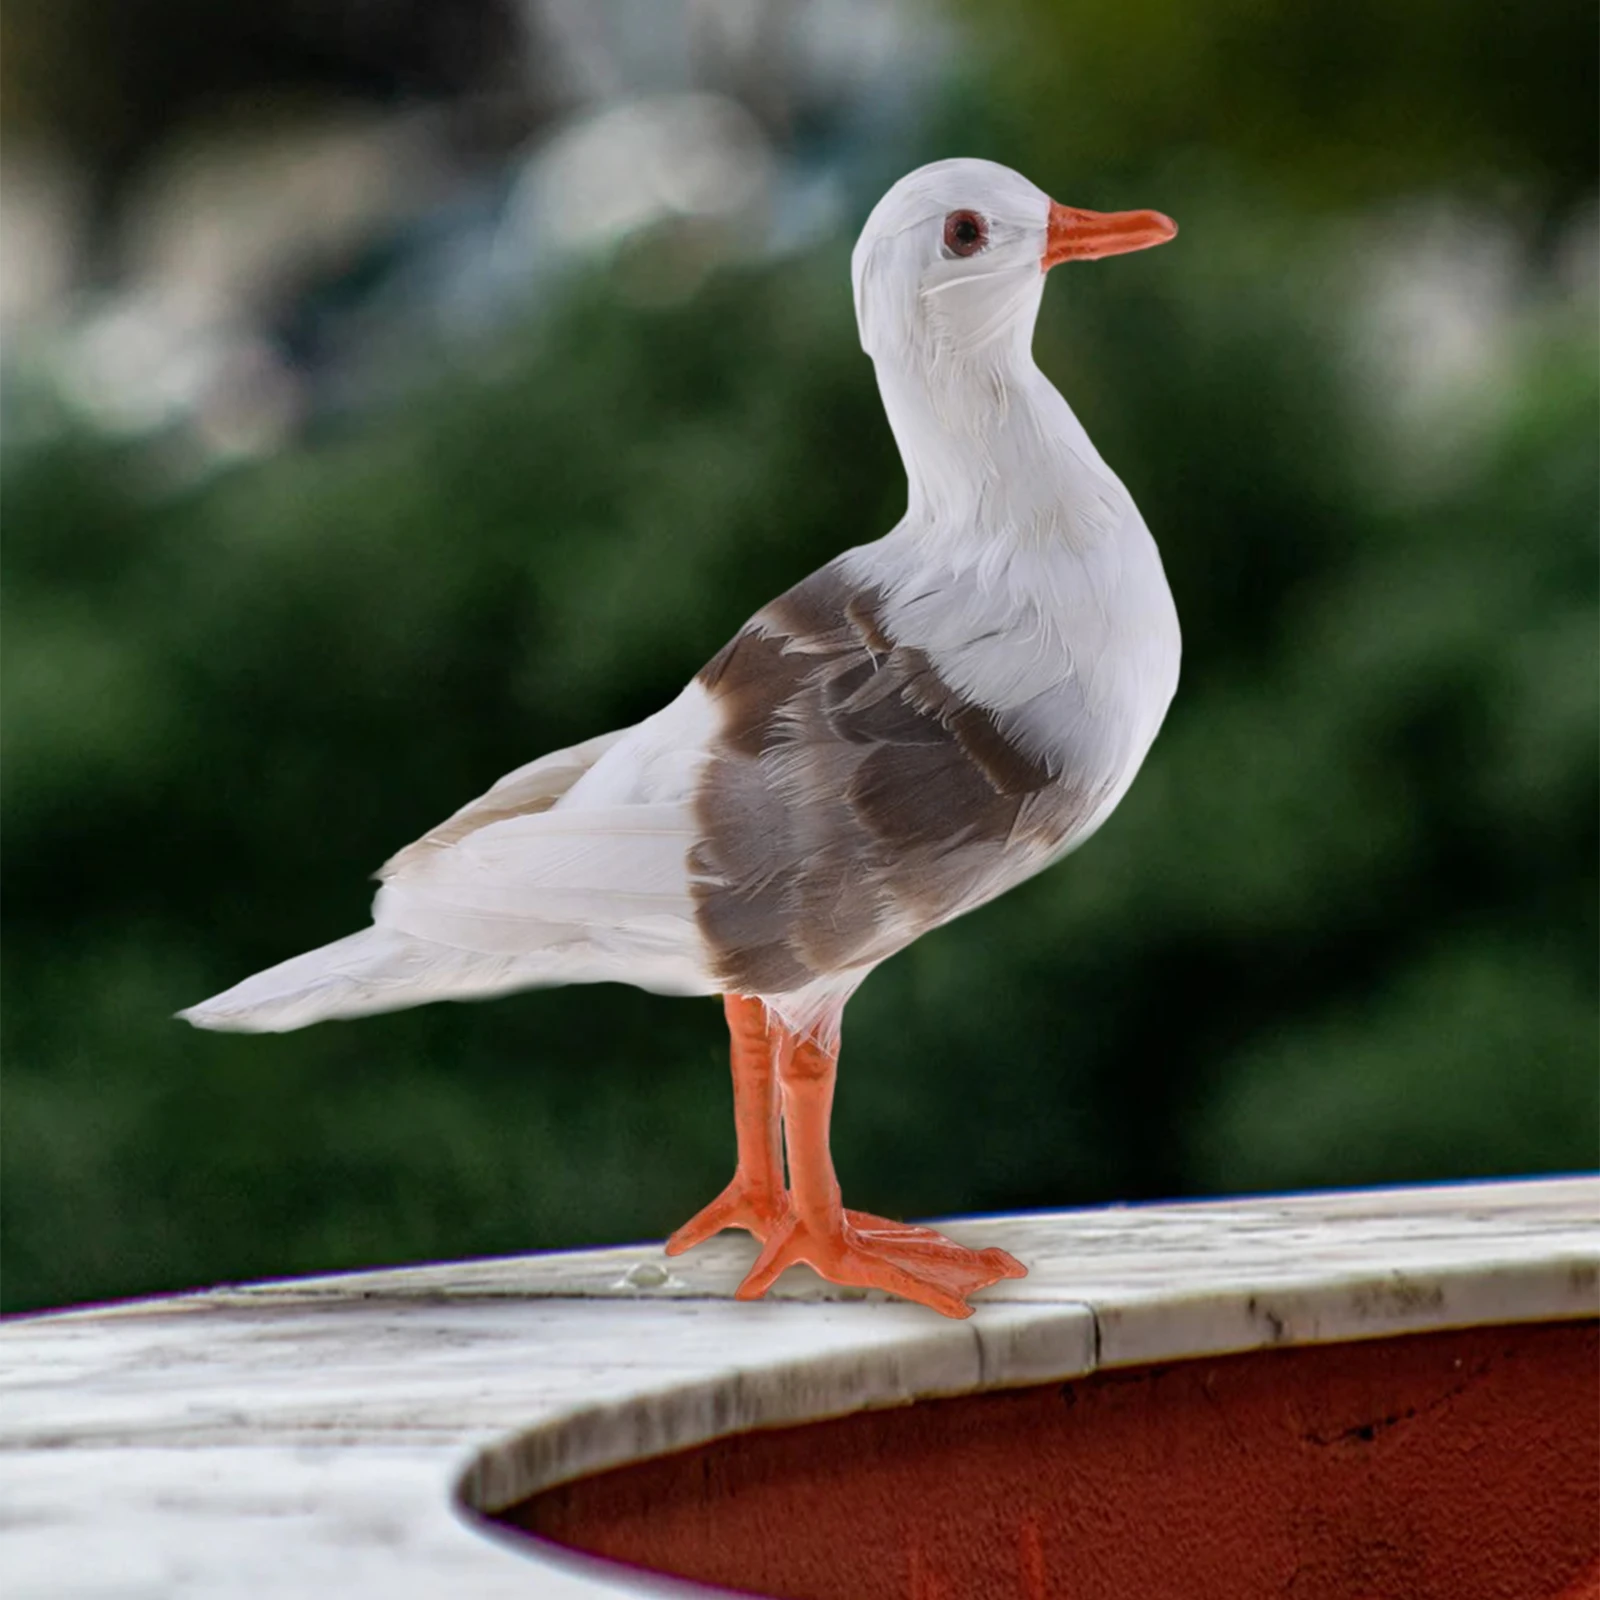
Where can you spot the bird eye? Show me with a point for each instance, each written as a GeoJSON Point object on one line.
{"type": "Point", "coordinates": [965, 233]}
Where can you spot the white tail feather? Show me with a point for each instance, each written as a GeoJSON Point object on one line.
{"type": "Point", "coordinates": [374, 970]}
{"type": "Point", "coordinates": [531, 788]}
{"type": "Point", "coordinates": [380, 969]}
{"type": "Point", "coordinates": [513, 892]}
{"type": "Point", "coordinates": [614, 878]}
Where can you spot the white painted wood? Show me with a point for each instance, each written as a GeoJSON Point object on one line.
{"type": "Point", "coordinates": [313, 1436]}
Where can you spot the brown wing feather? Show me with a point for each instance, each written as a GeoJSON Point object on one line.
{"type": "Point", "coordinates": [856, 799]}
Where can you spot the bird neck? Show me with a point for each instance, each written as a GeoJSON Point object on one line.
{"type": "Point", "coordinates": [990, 445]}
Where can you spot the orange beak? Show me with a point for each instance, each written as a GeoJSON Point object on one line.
{"type": "Point", "coordinates": [1087, 235]}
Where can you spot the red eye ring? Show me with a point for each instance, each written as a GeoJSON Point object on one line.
{"type": "Point", "coordinates": [965, 233]}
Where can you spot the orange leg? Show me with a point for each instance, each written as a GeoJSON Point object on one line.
{"type": "Point", "coordinates": [755, 1199]}
{"type": "Point", "coordinates": [851, 1247]}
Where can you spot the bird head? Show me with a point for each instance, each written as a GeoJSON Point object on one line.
{"type": "Point", "coordinates": [951, 262]}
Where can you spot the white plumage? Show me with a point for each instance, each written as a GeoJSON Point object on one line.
{"type": "Point", "coordinates": [907, 733]}
{"type": "Point", "coordinates": [559, 874]}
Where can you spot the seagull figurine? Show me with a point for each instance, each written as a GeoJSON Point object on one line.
{"type": "Point", "coordinates": [907, 733]}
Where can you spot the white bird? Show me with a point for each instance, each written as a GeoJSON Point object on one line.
{"type": "Point", "coordinates": [907, 733]}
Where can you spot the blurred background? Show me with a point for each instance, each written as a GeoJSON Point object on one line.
{"type": "Point", "coordinates": [393, 391]}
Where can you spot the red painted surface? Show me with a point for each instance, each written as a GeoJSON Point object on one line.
{"type": "Point", "coordinates": [1451, 1466]}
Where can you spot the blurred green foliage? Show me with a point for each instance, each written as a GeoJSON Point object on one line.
{"type": "Point", "coordinates": [1342, 930]}
{"type": "Point", "coordinates": [1328, 99]}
